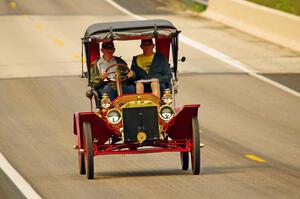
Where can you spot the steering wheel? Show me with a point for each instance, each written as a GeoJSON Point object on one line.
{"type": "Point", "coordinates": [121, 71]}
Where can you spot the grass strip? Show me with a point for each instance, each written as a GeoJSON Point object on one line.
{"type": "Point", "coordinates": [289, 6]}
{"type": "Point", "coordinates": [184, 5]}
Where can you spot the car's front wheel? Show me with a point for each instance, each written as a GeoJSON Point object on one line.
{"type": "Point", "coordinates": [81, 162]}
{"type": "Point", "coordinates": [195, 152]}
{"type": "Point", "coordinates": [88, 150]}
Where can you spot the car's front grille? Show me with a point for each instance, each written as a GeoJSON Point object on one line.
{"type": "Point", "coordinates": [141, 119]}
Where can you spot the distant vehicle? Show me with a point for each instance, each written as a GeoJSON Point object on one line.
{"type": "Point", "coordinates": [136, 123]}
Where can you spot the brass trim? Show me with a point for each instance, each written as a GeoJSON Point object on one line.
{"type": "Point", "coordinates": [160, 109]}
{"type": "Point", "coordinates": [141, 137]}
{"type": "Point", "coordinates": [120, 119]}
{"type": "Point", "coordinates": [165, 95]}
{"type": "Point", "coordinates": [105, 97]}
{"type": "Point", "coordinates": [137, 104]}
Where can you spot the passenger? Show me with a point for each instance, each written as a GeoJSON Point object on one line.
{"type": "Point", "coordinates": [153, 67]}
{"type": "Point", "coordinates": [99, 76]}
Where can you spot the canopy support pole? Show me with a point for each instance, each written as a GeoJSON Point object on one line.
{"type": "Point", "coordinates": [82, 75]}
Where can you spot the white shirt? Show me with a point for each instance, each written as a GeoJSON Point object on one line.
{"type": "Point", "coordinates": [102, 65]}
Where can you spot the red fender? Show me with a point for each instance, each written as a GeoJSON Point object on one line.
{"type": "Point", "coordinates": [100, 128]}
{"type": "Point", "coordinates": [180, 127]}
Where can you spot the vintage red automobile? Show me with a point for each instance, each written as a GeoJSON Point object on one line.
{"type": "Point", "coordinates": [143, 123]}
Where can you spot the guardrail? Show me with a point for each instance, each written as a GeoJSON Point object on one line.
{"type": "Point", "coordinates": [269, 24]}
{"type": "Point", "coordinates": [204, 2]}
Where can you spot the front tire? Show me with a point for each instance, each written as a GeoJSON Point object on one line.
{"type": "Point", "coordinates": [88, 150]}
{"type": "Point", "coordinates": [195, 152]}
{"type": "Point", "coordinates": [81, 163]}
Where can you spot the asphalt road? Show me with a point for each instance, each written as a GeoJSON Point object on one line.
{"type": "Point", "coordinates": [239, 115]}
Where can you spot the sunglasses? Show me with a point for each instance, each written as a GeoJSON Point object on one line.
{"type": "Point", "coordinates": [109, 48]}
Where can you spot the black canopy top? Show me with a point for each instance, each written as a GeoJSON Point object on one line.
{"type": "Point", "coordinates": [130, 29]}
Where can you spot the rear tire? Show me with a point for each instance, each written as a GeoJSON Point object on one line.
{"type": "Point", "coordinates": [88, 149]}
{"type": "Point", "coordinates": [184, 157]}
{"type": "Point", "coordinates": [195, 152]}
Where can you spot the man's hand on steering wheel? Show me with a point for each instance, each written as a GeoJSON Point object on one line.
{"type": "Point", "coordinates": [122, 71]}
{"type": "Point", "coordinates": [104, 75]}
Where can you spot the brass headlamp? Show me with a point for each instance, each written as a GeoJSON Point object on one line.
{"type": "Point", "coordinates": [105, 101]}
{"type": "Point", "coordinates": [167, 97]}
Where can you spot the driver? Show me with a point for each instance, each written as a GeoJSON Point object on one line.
{"type": "Point", "coordinates": [99, 75]}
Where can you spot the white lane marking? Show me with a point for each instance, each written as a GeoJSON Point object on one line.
{"type": "Point", "coordinates": [111, 2]}
{"type": "Point", "coordinates": [17, 179]}
{"type": "Point", "coordinates": [216, 54]}
{"type": "Point", "coordinates": [235, 63]}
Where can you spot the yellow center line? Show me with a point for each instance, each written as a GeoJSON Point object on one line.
{"type": "Point", "coordinates": [25, 16]}
{"type": "Point", "coordinates": [255, 158]}
{"type": "Point", "coordinates": [58, 42]}
{"type": "Point", "coordinates": [39, 26]}
{"type": "Point", "coordinates": [13, 4]}
{"type": "Point", "coordinates": [77, 57]}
